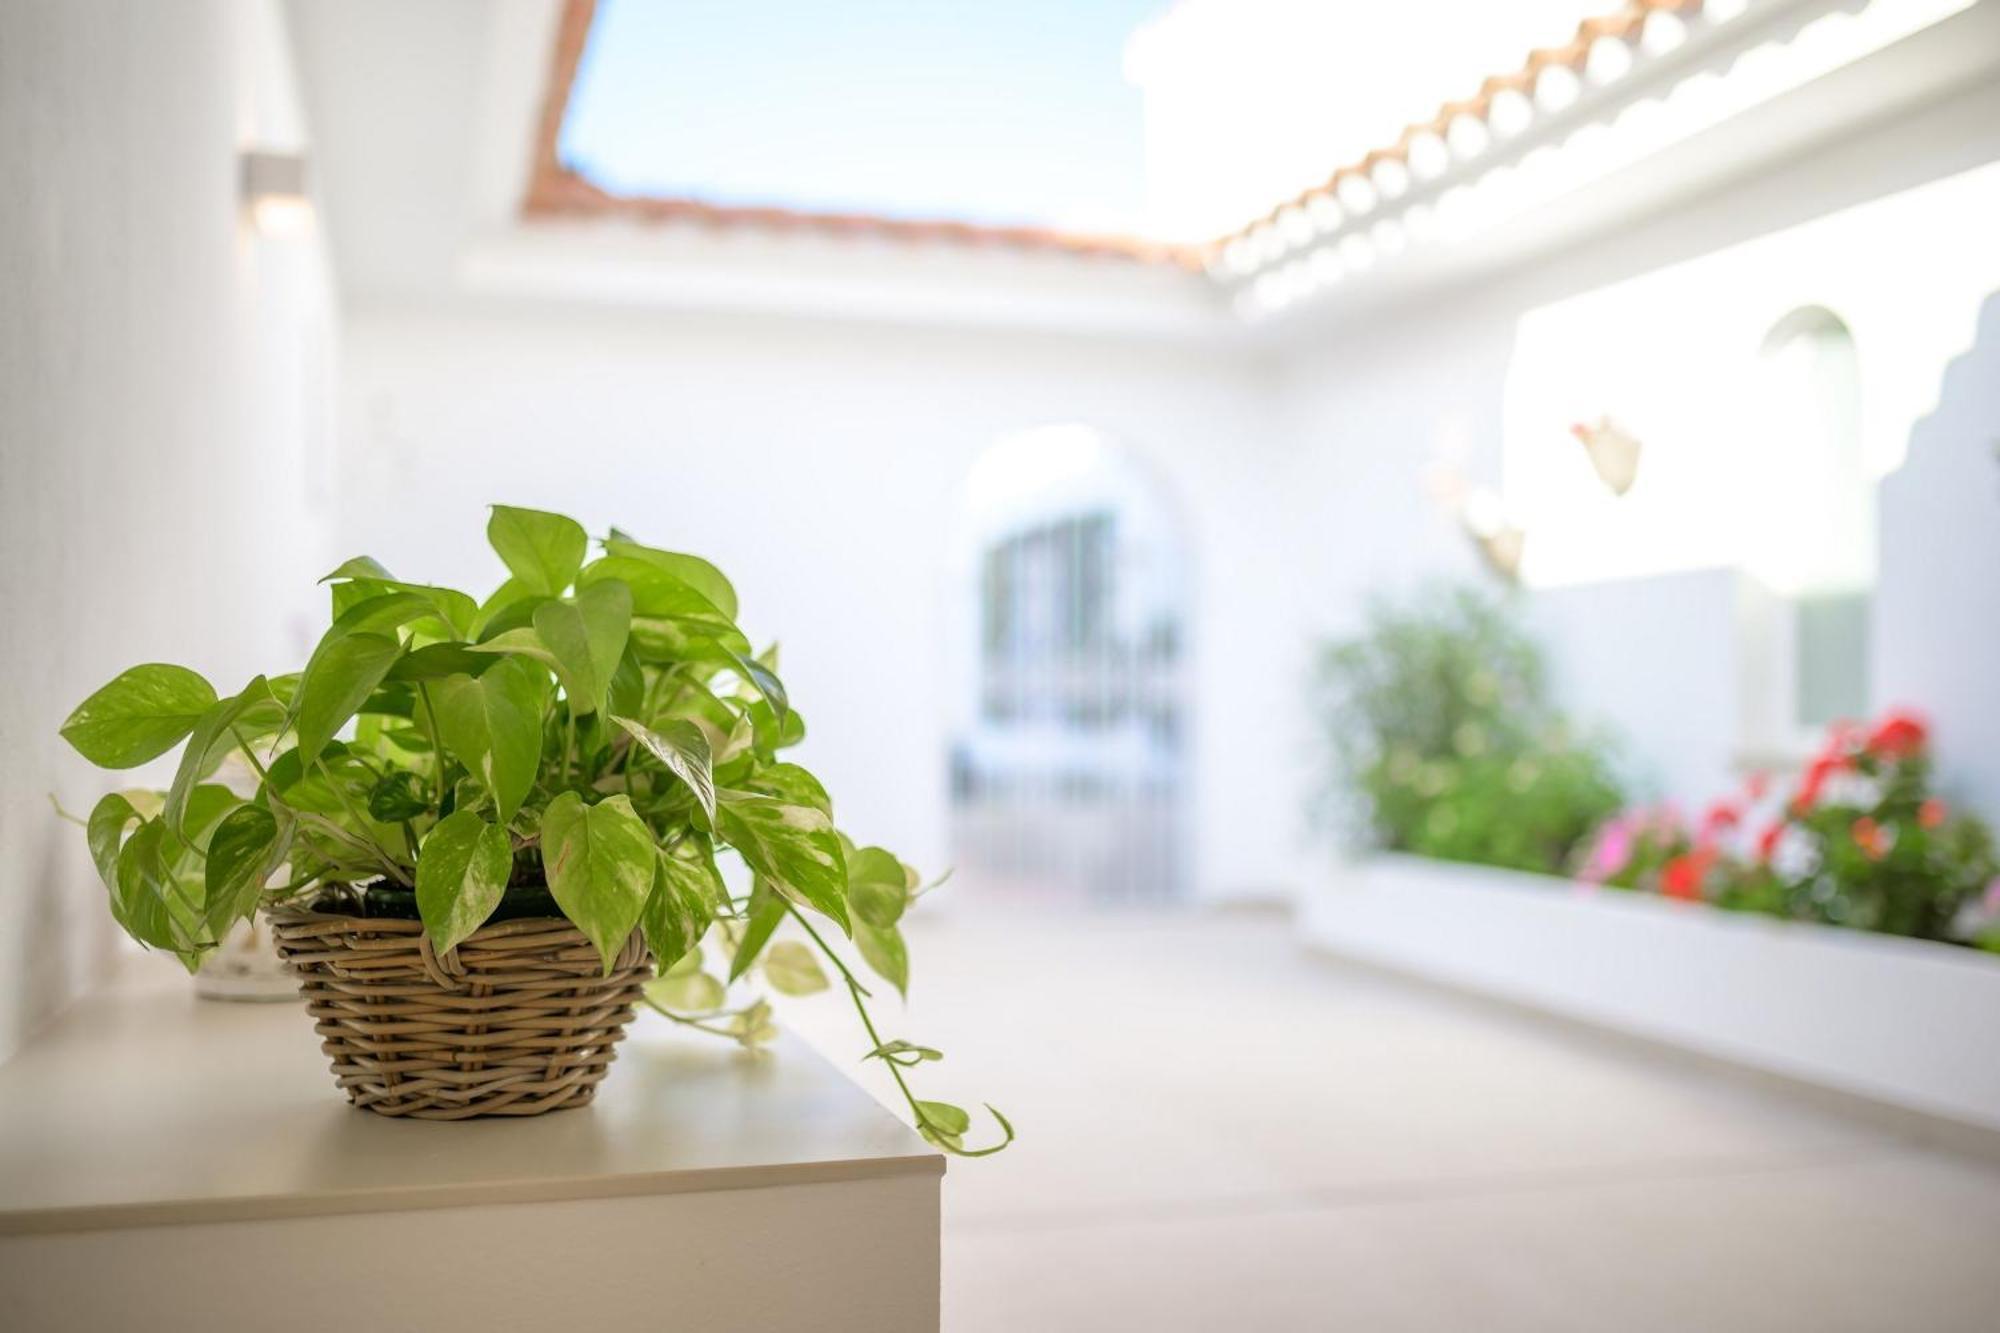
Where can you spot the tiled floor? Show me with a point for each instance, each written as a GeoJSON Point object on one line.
{"type": "Point", "coordinates": [1219, 1131]}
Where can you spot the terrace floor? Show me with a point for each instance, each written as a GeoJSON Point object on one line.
{"type": "Point", "coordinates": [1219, 1130]}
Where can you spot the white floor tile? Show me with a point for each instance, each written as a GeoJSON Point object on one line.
{"type": "Point", "coordinates": [1219, 1131]}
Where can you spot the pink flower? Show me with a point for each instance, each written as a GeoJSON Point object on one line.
{"type": "Point", "coordinates": [1611, 852]}
{"type": "Point", "coordinates": [1932, 813]}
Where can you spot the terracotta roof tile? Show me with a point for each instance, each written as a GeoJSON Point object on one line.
{"type": "Point", "coordinates": [1623, 23]}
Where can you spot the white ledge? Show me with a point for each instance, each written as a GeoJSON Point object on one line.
{"type": "Point", "coordinates": [147, 1107]}
{"type": "Point", "coordinates": [1897, 1023]}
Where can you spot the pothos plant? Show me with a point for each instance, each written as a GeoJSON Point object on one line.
{"type": "Point", "coordinates": [586, 740]}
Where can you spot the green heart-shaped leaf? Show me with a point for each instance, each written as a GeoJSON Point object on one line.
{"type": "Point", "coordinates": [692, 570]}
{"type": "Point", "coordinates": [885, 953]}
{"type": "Point", "coordinates": [683, 748]}
{"type": "Point", "coordinates": [246, 846]}
{"type": "Point", "coordinates": [600, 861]}
{"type": "Point", "coordinates": [789, 782]}
{"type": "Point", "coordinates": [336, 683]}
{"type": "Point", "coordinates": [494, 725]}
{"type": "Point", "coordinates": [105, 832]}
{"type": "Point", "coordinates": [462, 874]}
{"type": "Point", "coordinates": [543, 551]}
{"type": "Point", "coordinates": [686, 992]}
{"type": "Point", "coordinates": [586, 638]}
{"type": "Point", "coordinates": [140, 715]}
{"type": "Point", "coordinates": [140, 887]}
{"type": "Point", "coordinates": [877, 888]}
{"type": "Point", "coordinates": [792, 846]}
{"type": "Point", "coordinates": [792, 969]}
{"type": "Point", "coordinates": [682, 903]}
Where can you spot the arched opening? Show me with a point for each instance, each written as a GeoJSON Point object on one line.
{"type": "Point", "coordinates": [1069, 725]}
{"type": "Point", "coordinates": [1816, 544]}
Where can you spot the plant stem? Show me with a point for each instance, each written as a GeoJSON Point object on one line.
{"type": "Point", "coordinates": [339, 834]}
{"type": "Point", "coordinates": [263, 777]}
{"type": "Point", "coordinates": [694, 1023]}
{"type": "Point", "coordinates": [437, 746]}
{"type": "Point", "coordinates": [305, 816]}
{"type": "Point", "coordinates": [855, 992]}
{"type": "Point", "coordinates": [365, 838]}
{"type": "Point", "coordinates": [832, 957]}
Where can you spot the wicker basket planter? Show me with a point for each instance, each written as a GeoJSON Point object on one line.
{"type": "Point", "coordinates": [517, 1020]}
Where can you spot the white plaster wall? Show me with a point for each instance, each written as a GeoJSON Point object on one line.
{"type": "Point", "coordinates": [1666, 658]}
{"type": "Point", "coordinates": [823, 467]}
{"type": "Point", "coordinates": [1674, 355]}
{"type": "Point", "coordinates": [155, 359]}
{"type": "Point", "coordinates": [1937, 616]}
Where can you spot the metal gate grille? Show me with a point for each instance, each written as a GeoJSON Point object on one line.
{"type": "Point", "coordinates": [1068, 781]}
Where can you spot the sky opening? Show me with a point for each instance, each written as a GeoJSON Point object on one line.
{"type": "Point", "coordinates": [1014, 113]}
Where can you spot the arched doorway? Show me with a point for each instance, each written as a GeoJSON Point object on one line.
{"type": "Point", "coordinates": [1816, 541]}
{"type": "Point", "coordinates": [1069, 625]}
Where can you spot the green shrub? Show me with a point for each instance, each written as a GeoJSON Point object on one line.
{"type": "Point", "coordinates": [1441, 739]}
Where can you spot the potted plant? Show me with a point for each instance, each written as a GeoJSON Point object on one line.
{"type": "Point", "coordinates": [484, 832]}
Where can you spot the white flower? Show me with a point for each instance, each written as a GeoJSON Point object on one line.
{"type": "Point", "coordinates": [1797, 854]}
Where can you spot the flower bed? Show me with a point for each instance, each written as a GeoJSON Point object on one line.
{"type": "Point", "coordinates": [1860, 839]}
{"type": "Point", "coordinates": [1897, 1021]}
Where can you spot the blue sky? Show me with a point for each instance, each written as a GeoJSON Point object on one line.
{"type": "Point", "coordinates": [1004, 111]}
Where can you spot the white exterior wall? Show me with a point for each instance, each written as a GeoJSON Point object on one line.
{"type": "Point", "coordinates": [823, 466]}
{"type": "Point", "coordinates": [1672, 662]}
{"type": "Point", "coordinates": [1937, 617]}
{"type": "Point", "coordinates": [160, 367]}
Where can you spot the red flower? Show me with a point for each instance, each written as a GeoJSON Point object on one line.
{"type": "Point", "coordinates": [1931, 813]}
{"type": "Point", "coordinates": [1722, 815]}
{"type": "Point", "coordinates": [1898, 736]}
{"type": "Point", "coordinates": [1682, 876]}
{"type": "Point", "coordinates": [1869, 838]}
{"type": "Point", "coordinates": [1767, 841]}
{"type": "Point", "coordinates": [1817, 772]}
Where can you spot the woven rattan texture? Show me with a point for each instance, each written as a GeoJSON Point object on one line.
{"type": "Point", "coordinates": [517, 1020]}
